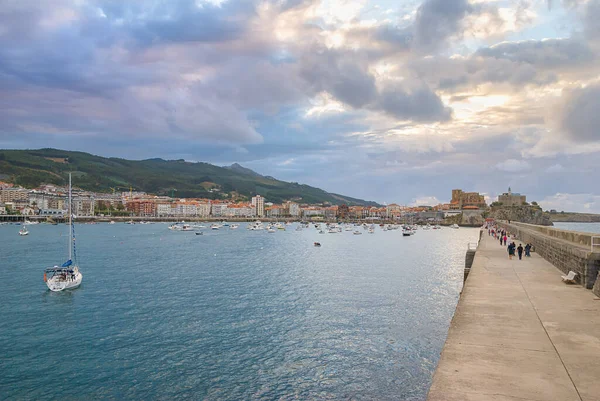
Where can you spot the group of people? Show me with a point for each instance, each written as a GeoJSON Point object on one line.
{"type": "Point", "coordinates": [512, 248]}
{"type": "Point", "coordinates": [520, 249]}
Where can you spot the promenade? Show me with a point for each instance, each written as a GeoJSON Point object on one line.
{"type": "Point", "coordinates": [520, 333]}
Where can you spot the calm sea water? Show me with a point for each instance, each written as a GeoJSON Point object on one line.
{"type": "Point", "coordinates": [230, 315]}
{"type": "Point", "coordinates": [585, 227]}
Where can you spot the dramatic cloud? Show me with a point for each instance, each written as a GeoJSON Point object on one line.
{"type": "Point", "coordinates": [392, 100]}
{"type": "Point", "coordinates": [580, 118]}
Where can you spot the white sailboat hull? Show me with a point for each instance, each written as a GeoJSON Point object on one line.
{"type": "Point", "coordinates": [58, 284]}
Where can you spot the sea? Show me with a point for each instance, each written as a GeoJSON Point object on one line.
{"type": "Point", "coordinates": [583, 227]}
{"type": "Point", "coordinates": [227, 315]}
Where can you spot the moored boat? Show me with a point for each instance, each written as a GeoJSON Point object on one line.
{"type": "Point", "coordinates": [67, 275]}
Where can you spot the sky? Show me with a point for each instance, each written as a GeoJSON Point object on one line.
{"type": "Point", "coordinates": [394, 101]}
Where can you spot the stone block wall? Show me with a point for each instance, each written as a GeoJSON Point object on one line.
{"type": "Point", "coordinates": [561, 253]}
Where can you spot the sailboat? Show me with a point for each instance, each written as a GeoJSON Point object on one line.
{"type": "Point", "coordinates": [23, 231]}
{"type": "Point", "coordinates": [67, 275]}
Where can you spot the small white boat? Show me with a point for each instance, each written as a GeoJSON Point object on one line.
{"type": "Point", "coordinates": [111, 222]}
{"type": "Point", "coordinates": [270, 230]}
{"type": "Point", "coordinates": [371, 231]}
{"type": "Point", "coordinates": [455, 226]}
{"type": "Point", "coordinates": [234, 226]}
{"type": "Point", "coordinates": [215, 226]}
{"type": "Point", "coordinates": [23, 231]}
{"type": "Point", "coordinates": [181, 227]}
{"type": "Point", "coordinates": [357, 232]}
{"type": "Point", "coordinates": [30, 223]}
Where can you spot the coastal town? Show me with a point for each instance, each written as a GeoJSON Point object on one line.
{"type": "Point", "coordinates": [50, 201]}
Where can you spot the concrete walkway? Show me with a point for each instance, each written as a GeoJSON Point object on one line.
{"type": "Point", "coordinates": [519, 333]}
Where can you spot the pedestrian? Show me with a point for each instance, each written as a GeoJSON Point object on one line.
{"type": "Point", "coordinates": [520, 251]}
{"type": "Point", "coordinates": [511, 251]}
{"type": "Point", "coordinates": [505, 238]}
{"type": "Point", "coordinates": [527, 250]}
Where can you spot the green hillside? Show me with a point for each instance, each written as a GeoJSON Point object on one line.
{"type": "Point", "coordinates": [30, 168]}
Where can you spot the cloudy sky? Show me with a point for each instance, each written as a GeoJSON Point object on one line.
{"type": "Point", "coordinates": [391, 100]}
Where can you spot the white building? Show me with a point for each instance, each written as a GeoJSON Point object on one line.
{"type": "Point", "coordinates": [259, 204]}
{"type": "Point", "coordinates": [218, 209]}
{"type": "Point", "coordinates": [241, 211]}
{"type": "Point", "coordinates": [294, 209]}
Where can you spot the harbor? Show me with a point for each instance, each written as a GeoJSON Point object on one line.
{"type": "Point", "coordinates": [234, 314]}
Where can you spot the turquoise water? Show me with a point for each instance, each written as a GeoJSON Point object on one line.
{"type": "Point", "coordinates": [584, 227]}
{"type": "Point", "coordinates": [229, 315]}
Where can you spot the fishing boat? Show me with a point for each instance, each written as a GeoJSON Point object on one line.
{"type": "Point", "coordinates": [67, 275]}
{"type": "Point", "coordinates": [23, 231]}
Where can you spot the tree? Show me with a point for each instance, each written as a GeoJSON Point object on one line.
{"type": "Point", "coordinates": [534, 203]}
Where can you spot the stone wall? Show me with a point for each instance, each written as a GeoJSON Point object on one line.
{"type": "Point", "coordinates": [564, 249]}
{"type": "Point", "coordinates": [468, 262]}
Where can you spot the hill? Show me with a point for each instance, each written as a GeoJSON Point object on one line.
{"type": "Point", "coordinates": [30, 168]}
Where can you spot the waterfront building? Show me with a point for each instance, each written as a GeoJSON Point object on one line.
{"type": "Point", "coordinates": [240, 210]}
{"type": "Point", "coordinates": [343, 212]}
{"type": "Point", "coordinates": [512, 198]}
{"type": "Point", "coordinates": [294, 209]}
{"type": "Point", "coordinates": [83, 206]}
{"type": "Point", "coordinates": [273, 211]}
{"type": "Point", "coordinates": [51, 212]}
{"type": "Point", "coordinates": [142, 208]}
{"type": "Point", "coordinates": [13, 194]}
{"type": "Point", "coordinates": [218, 209]}
{"type": "Point", "coordinates": [259, 203]}
{"type": "Point", "coordinates": [393, 211]}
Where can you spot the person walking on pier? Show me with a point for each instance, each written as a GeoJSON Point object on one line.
{"type": "Point", "coordinates": [520, 251]}
{"type": "Point", "coordinates": [511, 250]}
{"type": "Point", "coordinates": [505, 238]}
{"type": "Point", "coordinates": [527, 250]}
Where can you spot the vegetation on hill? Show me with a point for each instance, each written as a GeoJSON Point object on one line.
{"type": "Point", "coordinates": [531, 214]}
{"type": "Point", "coordinates": [31, 168]}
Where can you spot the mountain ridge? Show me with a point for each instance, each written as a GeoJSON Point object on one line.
{"type": "Point", "coordinates": [33, 167]}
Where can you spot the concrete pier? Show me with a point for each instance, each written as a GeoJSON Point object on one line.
{"type": "Point", "coordinates": [520, 333]}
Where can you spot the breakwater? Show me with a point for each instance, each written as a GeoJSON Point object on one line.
{"type": "Point", "coordinates": [519, 332]}
{"type": "Point", "coordinates": [566, 250]}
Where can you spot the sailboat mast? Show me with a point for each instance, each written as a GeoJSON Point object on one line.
{"type": "Point", "coordinates": [70, 220]}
